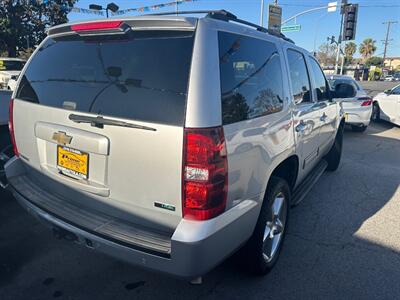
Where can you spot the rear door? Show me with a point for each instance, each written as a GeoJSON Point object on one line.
{"type": "Point", "coordinates": [326, 109]}
{"type": "Point", "coordinates": [104, 116]}
{"type": "Point", "coordinates": [306, 114]}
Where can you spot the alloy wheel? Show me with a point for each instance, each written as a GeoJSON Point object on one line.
{"type": "Point", "coordinates": [274, 227]}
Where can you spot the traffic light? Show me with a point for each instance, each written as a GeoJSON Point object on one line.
{"type": "Point", "coordinates": [350, 22]}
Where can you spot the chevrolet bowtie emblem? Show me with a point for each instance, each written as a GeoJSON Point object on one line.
{"type": "Point", "coordinates": [62, 138]}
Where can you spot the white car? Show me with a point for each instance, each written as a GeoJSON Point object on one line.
{"type": "Point", "coordinates": [9, 67]}
{"type": "Point", "coordinates": [389, 78]}
{"type": "Point", "coordinates": [12, 83]}
{"type": "Point", "coordinates": [358, 110]}
{"type": "Point", "coordinates": [386, 106]}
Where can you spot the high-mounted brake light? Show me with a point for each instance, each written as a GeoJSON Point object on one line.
{"type": "Point", "coordinates": [11, 126]}
{"type": "Point", "coordinates": [108, 25]}
{"type": "Point", "coordinates": [366, 101]}
{"type": "Point", "coordinates": [205, 173]}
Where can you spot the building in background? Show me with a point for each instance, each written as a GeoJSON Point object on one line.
{"type": "Point", "coordinates": [392, 62]}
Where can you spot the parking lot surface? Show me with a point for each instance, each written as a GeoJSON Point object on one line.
{"type": "Point", "coordinates": [343, 242]}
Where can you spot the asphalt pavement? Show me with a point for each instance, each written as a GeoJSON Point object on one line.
{"type": "Point", "coordinates": [343, 242]}
{"type": "Point", "coordinates": [374, 87]}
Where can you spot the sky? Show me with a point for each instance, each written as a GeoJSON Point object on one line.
{"type": "Point", "coordinates": [315, 26]}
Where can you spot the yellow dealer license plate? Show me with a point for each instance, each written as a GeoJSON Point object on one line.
{"type": "Point", "coordinates": [346, 117]}
{"type": "Point", "coordinates": [72, 162]}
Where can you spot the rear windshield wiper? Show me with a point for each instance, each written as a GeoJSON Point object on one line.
{"type": "Point", "coordinates": [99, 122]}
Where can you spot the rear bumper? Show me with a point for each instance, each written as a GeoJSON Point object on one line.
{"type": "Point", "coordinates": [360, 116]}
{"type": "Point", "coordinates": [195, 246]}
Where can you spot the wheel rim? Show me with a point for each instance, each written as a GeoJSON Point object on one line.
{"type": "Point", "coordinates": [274, 227]}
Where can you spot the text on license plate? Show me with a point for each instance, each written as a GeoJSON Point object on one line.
{"type": "Point", "coordinates": [72, 162]}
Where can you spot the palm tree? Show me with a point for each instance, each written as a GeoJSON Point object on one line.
{"type": "Point", "coordinates": [350, 49]}
{"type": "Point", "coordinates": [367, 48]}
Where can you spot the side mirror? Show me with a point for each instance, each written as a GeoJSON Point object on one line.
{"type": "Point", "coordinates": [387, 92]}
{"type": "Point", "coordinates": [344, 90]}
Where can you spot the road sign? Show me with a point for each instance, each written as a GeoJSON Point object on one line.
{"type": "Point", "coordinates": [274, 17]}
{"type": "Point", "coordinates": [291, 28]}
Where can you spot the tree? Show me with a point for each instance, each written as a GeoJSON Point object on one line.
{"type": "Point", "coordinates": [374, 61]}
{"type": "Point", "coordinates": [326, 54]}
{"type": "Point", "coordinates": [367, 48]}
{"type": "Point", "coordinates": [349, 50]}
{"type": "Point", "coordinates": [23, 23]}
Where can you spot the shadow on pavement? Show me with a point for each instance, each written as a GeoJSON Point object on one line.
{"type": "Point", "coordinates": [343, 242]}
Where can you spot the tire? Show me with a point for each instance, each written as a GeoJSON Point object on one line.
{"type": "Point", "coordinates": [335, 154]}
{"type": "Point", "coordinates": [253, 255]}
{"type": "Point", "coordinates": [376, 113]}
{"type": "Point", "coordinates": [356, 128]}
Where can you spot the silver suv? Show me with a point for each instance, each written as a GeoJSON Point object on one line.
{"type": "Point", "coordinates": [172, 142]}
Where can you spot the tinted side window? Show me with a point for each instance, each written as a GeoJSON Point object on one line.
{"type": "Point", "coordinates": [320, 81]}
{"type": "Point", "coordinates": [251, 78]}
{"type": "Point", "coordinates": [299, 77]}
{"type": "Point", "coordinates": [396, 91]}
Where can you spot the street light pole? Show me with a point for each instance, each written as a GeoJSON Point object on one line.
{"type": "Point", "coordinates": [262, 14]}
{"type": "Point", "coordinates": [342, 5]}
{"type": "Point", "coordinates": [110, 7]}
{"type": "Point", "coordinates": [305, 12]}
{"type": "Point", "coordinates": [342, 65]}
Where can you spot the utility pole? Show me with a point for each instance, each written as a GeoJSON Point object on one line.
{"type": "Point", "coordinates": [386, 41]}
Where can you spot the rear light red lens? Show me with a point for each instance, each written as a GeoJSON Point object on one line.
{"type": "Point", "coordinates": [205, 173]}
{"type": "Point", "coordinates": [366, 101]}
{"type": "Point", "coordinates": [96, 26]}
{"type": "Point", "coordinates": [11, 126]}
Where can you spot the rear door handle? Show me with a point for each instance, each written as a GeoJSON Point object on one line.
{"type": "Point", "coordinates": [323, 117]}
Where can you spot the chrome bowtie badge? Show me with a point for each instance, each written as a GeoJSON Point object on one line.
{"type": "Point", "coordinates": [62, 138]}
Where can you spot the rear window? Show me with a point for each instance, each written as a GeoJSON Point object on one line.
{"type": "Point", "coordinates": [142, 75]}
{"type": "Point", "coordinates": [251, 77]}
{"type": "Point", "coordinates": [334, 82]}
{"type": "Point", "coordinates": [11, 65]}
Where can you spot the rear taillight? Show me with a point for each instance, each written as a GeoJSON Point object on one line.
{"type": "Point", "coordinates": [366, 101]}
{"type": "Point", "coordinates": [11, 126]}
{"type": "Point", "coordinates": [106, 25]}
{"type": "Point", "coordinates": [205, 173]}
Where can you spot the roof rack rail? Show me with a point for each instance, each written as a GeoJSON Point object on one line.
{"type": "Point", "coordinates": [227, 16]}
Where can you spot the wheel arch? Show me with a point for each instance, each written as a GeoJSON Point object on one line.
{"type": "Point", "coordinates": [288, 170]}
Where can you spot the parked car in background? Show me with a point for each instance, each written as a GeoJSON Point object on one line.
{"type": "Point", "coordinates": [5, 97]}
{"type": "Point", "coordinates": [12, 83]}
{"type": "Point", "coordinates": [358, 109]}
{"type": "Point", "coordinates": [174, 149]}
{"type": "Point", "coordinates": [9, 67]}
{"type": "Point", "coordinates": [389, 78]}
{"type": "Point", "coordinates": [396, 76]}
{"type": "Point", "coordinates": [386, 106]}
